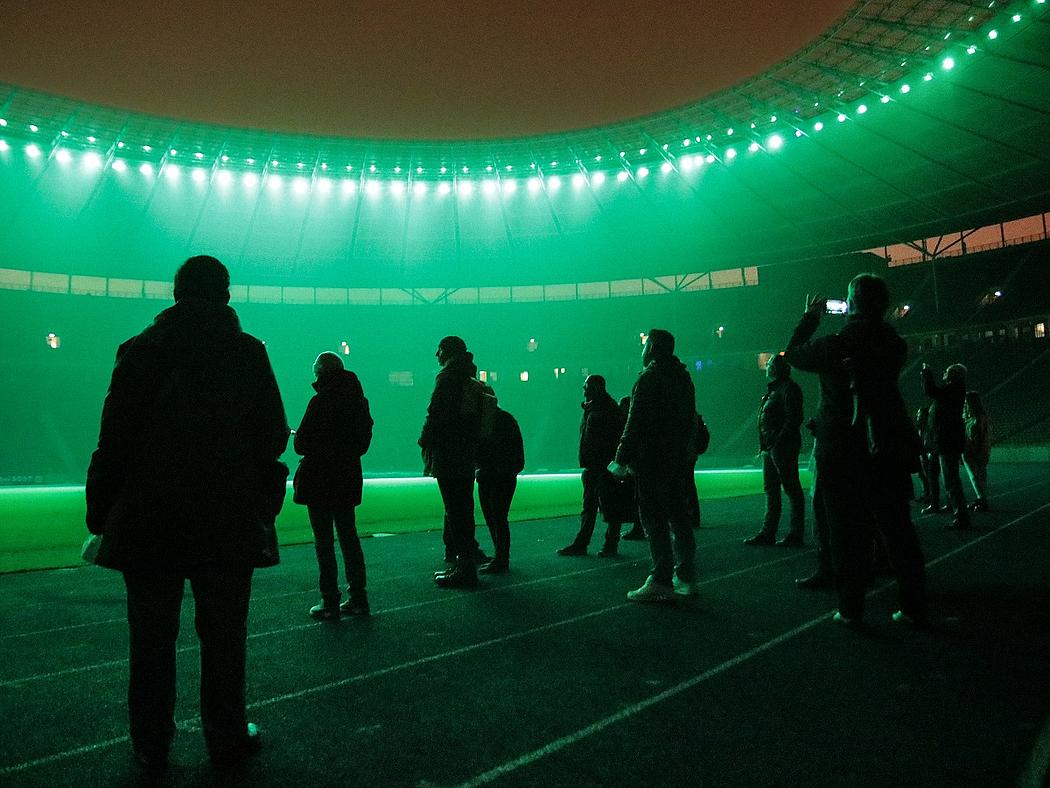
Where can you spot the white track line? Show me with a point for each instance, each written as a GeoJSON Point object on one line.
{"type": "Point", "coordinates": [629, 711]}
{"type": "Point", "coordinates": [192, 723]}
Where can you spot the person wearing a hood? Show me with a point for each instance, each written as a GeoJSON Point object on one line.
{"type": "Point", "coordinates": [659, 447]}
{"type": "Point", "coordinates": [866, 446]}
{"type": "Point", "coordinates": [947, 436]}
{"type": "Point", "coordinates": [780, 443]}
{"type": "Point", "coordinates": [185, 485]}
{"type": "Point", "coordinates": [336, 430]}
{"type": "Point", "coordinates": [600, 430]}
{"type": "Point", "coordinates": [449, 441]}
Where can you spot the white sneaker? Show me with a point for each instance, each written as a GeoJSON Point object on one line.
{"type": "Point", "coordinates": [686, 587]}
{"type": "Point", "coordinates": [651, 591]}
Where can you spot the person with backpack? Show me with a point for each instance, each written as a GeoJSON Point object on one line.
{"type": "Point", "coordinates": [600, 429]}
{"type": "Point", "coordinates": [335, 432]}
{"type": "Point", "coordinates": [449, 442]}
{"type": "Point", "coordinates": [501, 457]}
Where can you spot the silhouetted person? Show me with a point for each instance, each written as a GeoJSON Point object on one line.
{"type": "Point", "coordinates": [185, 485]}
{"type": "Point", "coordinates": [658, 447]}
{"type": "Point", "coordinates": [866, 447]}
{"type": "Point", "coordinates": [948, 435]}
{"type": "Point", "coordinates": [335, 431]}
{"type": "Point", "coordinates": [780, 442]}
{"type": "Point", "coordinates": [600, 430]}
{"type": "Point", "coordinates": [978, 449]}
{"type": "Point", "coordinates": [501, 457]}
{"type": "Point", "coordinates": [450, 442]}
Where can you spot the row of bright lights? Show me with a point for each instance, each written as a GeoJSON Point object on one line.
{"type": "Point", "coordinates": [773, 143]}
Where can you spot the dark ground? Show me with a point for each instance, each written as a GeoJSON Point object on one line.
{"type": "Point", "coordinates": [548, 676]}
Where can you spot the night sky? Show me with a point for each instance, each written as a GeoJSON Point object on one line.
{"type": "Point", "coordinates": [410, 70]}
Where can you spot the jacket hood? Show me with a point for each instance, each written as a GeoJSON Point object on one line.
{"type": "Point", "coordinates": [344, 382]}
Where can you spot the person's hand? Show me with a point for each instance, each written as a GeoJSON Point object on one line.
{"type": "Point", "coordinates": [617, 470]}
{"type": "Point", "coordinates": [817, 306]}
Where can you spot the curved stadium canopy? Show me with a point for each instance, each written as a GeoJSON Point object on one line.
{"type": "Point", "coordinates": [904, 120]}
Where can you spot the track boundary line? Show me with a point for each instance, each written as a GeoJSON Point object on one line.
{"type": "Point", "coordinates": [194, 722]}
{"type": "Point", "coordinates": [628, 711]}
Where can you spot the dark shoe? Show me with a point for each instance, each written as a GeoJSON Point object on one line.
{"type": "Point", "coordinates": [228, 756]}
{"type": "Point", "coordinates": [980, 505]}
{"type": "Point", "coordinates": [816, 581]}
{"type": "Point", "coordinates": [323, 612]}
{"type": "Point", "coordinates": [480, 558]}
{"type": "Point", "coordinates": [573, 549]}
{"type": "Point", "coordinates": [494, 567]}
{"type": "Point", "coordinates": [959, 524]}
{"type": "Point", "coordinates": [457, 578]}
{"type": "Point", "coordinates": [792, 540]}
{"type": "Point", "coordinates": [355, 606]}
{"type": "Point", "coordinates": [636, 534]}
{"type": "Point", "coordinates": [761, 538]}
{"type": "Point", "coordinates": [608, 551]}
{"type": "Point", "coordinates": [933, 509]}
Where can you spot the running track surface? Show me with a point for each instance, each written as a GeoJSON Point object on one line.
{"type": "Point", "coordinates": [548, 676]}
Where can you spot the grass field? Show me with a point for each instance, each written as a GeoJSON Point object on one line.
{"type": "Point", "coordinates": [42, 527]}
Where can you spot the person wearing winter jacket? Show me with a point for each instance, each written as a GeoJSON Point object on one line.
{"type": "Point", "coordinates": [947, 436]}
{"type": "Point", "coordinates": [501, 457]}
{"type": "Point", "coordinates": [600, 429]}
{"type": "Point", "coordinates": [658, 446]}
{"type": "Point", "coordinates": [978, 448]}
{"type": "Point", "coordinates": [335, 432]}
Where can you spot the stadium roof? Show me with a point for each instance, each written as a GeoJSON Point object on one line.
{"type": "Point", "coordinates": [904, 120]}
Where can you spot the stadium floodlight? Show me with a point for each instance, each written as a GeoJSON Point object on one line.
{"type": "Point", "coordinates": [397, 170]}
{"type": "Point", "coordinates": [686, 163]}
{"type": "Point", "coordinates": [798, 132]}
{"type": "Point", "coordinates": [993, 34]}
{"type": "Point", "coordinates": [488, 168]}
{"type": "Point", "coordinates": [250, 162]}
{"type": "Point", "coordinates": [444, 170]}
{"type": "Point", "coordinates": [372, 188]}
{"type": "Point", "coordinates": [621, 176]}
{"type": "Point", "coordinates": [397, 188]}
{"type": "Point", "coordinates": [488, 186]}
{"type": "Point", "coordinates": [118, 165]}
{"type": "Point", "coordinates": [250, 180]}
{"type": "Point", "coordinates": [729, 132]}
{"type": "Point", "coordinates": [534, 184]}
{"type": "Point", "coordinates": [198, 155]}
{"type": "Point", "coordinates": [466, 169]}
{"type": "Point", "coordinates": [173, 152]}
{"type": "Point", "coordinates": [63, 156]}
{"type": "Point", "coordinates": [841, 117]}
{"type": "Point", "coordinates": [419, 170]}
{"type": "Point", "coordinates": [147, 148]}
{"type": "Point", "coordinates": [927, 77]}
{"type": "Point", "coordinates": [685, 142]}
{"type": "Point", "coordinates": [119, 144]}
{"type": "Point", "coordinates": [509, 186]}
{"type": "Point", "coordinates": [324, 185]}
{"type": "Point", "coordinates": [4, 146]}
{"type": "Point", "coordinates": [862, 108]}
{"type": "Point", "coordinates": [597, 179]}
{"type": "Point", "coordinates": [970, 50]}
{"type": "Point", "coordinates": [885, 99]}
{"type": "Point", "coordinates": [3, 121]}
{"type": "Point", "coordinates": [32, 151]}
{"type": "Point", "coordinates": [464, 188]}
{"type": "Point", "coordinates": [300, 186]}
{"type": "Point", "coordinates": [754, 147]}
{"type": "Point", "coordinates": [509, 167]}
{"type": "Point", "coordinates": [419, 188]}
{"type": "Point", "coordinates": [371, 168]}
{"type": "Point", "coordinates": [775, 142]}
{"type": "Point", "coordinates": [818, 126]}
{"type": "Point", "coordinates": [578, 180]}
{"type": "Point", "coordinates": [730, 154]}
{"type": "Point", "coordinates": [772, 118]}
{"type": "Point", "coordinates": [1015, 18]}
{"type": "Point", "coordinates": [948, 63]}
{"type": "Point", "coordinates": [666, 167]}
{"type": "Point", "coordinates": [642, 172]}
{"type": "Point", "coordinates": [553, 183]}
{"type": "Point", "coordinates": [274, 182]}
{"type": "Point", "coordinates": [224, 177]}
{"type": "Point", "coordinates": [905, 88]}
{"type": "Point", "coordinates": [554, 164]}
{"type": "Point", "coordinates": [642, 151]}
{"type": "Point", "coordinates": [146, 169]}
{"type": "Point", "coordinates": [173, 173]}
{"type": "Point", "coordinates": [199, 175]}
{"type": "Point", "coordinates": [349, 187]}
{"type": "Point", "coordinates": [324, 164]}
{"type": "Point", "coordinates": [300, 165]}
{"type": "Point", "coordinates": [92, 139]}
{"type": "Point", "coordinates": [275, 164]}
{"type": "Point", "coordinates": [34, 128]}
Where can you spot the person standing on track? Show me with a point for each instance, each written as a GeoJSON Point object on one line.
{"type": "Point", "coordinates": [185, 485]}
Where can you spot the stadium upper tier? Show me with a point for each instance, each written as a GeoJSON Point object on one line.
{"type": "Point", "coordinates": [904, 120]}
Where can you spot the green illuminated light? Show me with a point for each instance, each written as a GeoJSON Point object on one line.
{"type": "Point", "coordinates": [905, 88]}
{"type": "Point", "coordinates": [993, 34]}
{"type": "Point", "coordinates": [198, 155]}
{"type": "Point", "coordinates": [444, 188]}
{"type": "Point", "coordinates": [553, 183]}
{"type": "Point", "coordinates": [642, 172]}
{"type": "Point", "coordinates": [372, 188]}
{"type": "Point", "coordinates": [509, 187]}
{"type": "Point", "coordinates": [119, 165]}
{"type": "Point", "coordinates": [819, 125]}
{"type": "Point", "coordinates": [250, 179]}
{"type": "Point", "coordinates": [92, 160]}
{"type": "Point", "coordinates": [224, 178]}
{"type": "Point", "coordinates": [3, 122]}
{"type": "Point", "coordinates": [419, 188]}
{"type": "Point", "coordinates": [776, 142]}
{"type": "Point", "coordinates": [63, 156]}
{"type": "Point", "coordinates": [147, 148]}
{"type": "Point", "coordinates": [753, 147]}
{"type": "Point", "coordinates": [665, 167]}
{"type": "Point", "coordinates": [643, 151]}
{"type": "Point", "coordinates": [971, 49]}
{"type": "Point", "coordinates": [200, 176]}
{"type": "Point", "coordinates": [841, 118]}
{"type": "Point", "coordinates": [534, 184]}
{"type": "Point", "coordinates": [4, 146]}
{"type": "Point", "coordinates": [1016, 18]}
{"type": "Point", "coordinates": [34, 128]}
{"type": "Point", "coordinates": [927, 77]}
{"type": "Point", "coordinates": [488, 186]}
{"type": "Point", "coordinates": [730, 154]}
{"type": "Point", "coordinates": [862, 109]}
{"type": "Point", "coordinates": [598, 179]}
{"type": "Point", "coordinates": [146, 169]}
{"type": "Point", "coordinates": [578, 180]}
{"type": "Point", "coordinates": [622, 175]}
{"type": "Point", "coordinates": [885, 99]}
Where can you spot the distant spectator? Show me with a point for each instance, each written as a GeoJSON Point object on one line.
{"type": "Point", "coordinates": [780, 443]}
{"type": "Point", "coordinates": [335, 432]}
{"type": "Point", "coordinates": [600, 429]}
{"type": "Point", "coordinates": [978, 448]}
{"type": "Point", "coordinates": [922, 425]}
{"type": "Point", "coordinates": [501, 457]}
{"type": "Point", "coordinates": [948, 436]}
